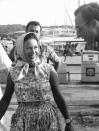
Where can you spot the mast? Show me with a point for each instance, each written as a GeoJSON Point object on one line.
{"type": "Point", "coordinates": [65, 21]}
{"type": "Point", "coordinates": [78, 3]}
{"type": "Point", "coordinates": [84, 2]}
{"type": "Point", "coordinates": [69, 16]}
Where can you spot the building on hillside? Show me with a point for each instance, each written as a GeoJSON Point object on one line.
{"type": "Point", "coordinates": [59, 31]}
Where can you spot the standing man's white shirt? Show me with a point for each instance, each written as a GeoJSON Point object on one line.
{"type": "Point", "coordinates": [5, 63]}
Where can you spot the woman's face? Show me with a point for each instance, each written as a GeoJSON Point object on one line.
{"type": "Point", "coordinates": [31, 50]}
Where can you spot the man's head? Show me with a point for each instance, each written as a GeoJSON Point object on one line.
{"type": "Point", "coordinates": [35, 27]}
{"type": "Point", "coordinates": [87, 22]}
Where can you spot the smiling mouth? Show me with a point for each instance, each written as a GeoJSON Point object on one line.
{"type": "Point", "coordinates": [32, 57]}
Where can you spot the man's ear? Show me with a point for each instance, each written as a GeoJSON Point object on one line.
{"type": "Point", "coordinates": [93, 23]}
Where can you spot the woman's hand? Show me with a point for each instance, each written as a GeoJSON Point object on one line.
{"type": "Point", "coordinates": [69, 127]}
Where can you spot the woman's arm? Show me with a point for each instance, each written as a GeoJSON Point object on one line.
{"type": "Point", "coordinates": [57, 95]}
{"type": "Point", "coordinates": [60, 100]}
{"type": "Point", "coordinates": [7, 96]}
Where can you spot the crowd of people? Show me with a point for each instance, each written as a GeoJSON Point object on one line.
{"type": "Point", "coordinates": [35, 81]}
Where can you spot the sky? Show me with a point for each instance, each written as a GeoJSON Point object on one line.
{"type": "Point", "coordinates": [47, 12]}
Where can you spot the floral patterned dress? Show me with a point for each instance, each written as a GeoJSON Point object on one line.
{"type": "Point", "coordinates": [36, 111]}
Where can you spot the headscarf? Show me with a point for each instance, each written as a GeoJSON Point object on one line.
{"type": "Point", "coordinates": [19, 46]}
{"type": "Point", "coordinates": [22, 65]}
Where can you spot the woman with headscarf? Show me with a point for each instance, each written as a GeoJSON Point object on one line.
{"type": "Point", "coordinates": [35, 84]}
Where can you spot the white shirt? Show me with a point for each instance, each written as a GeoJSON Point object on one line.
{"type": "Point", "coordinates": [5, 61]}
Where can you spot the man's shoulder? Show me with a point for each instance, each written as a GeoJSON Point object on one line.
{"type": "Point", "coordinates": [45, 44]}
{"type": "Point", "coordinates": [49, 47]}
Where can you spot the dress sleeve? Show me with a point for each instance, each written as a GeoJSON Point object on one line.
{"type": "Point", "coordinates": [47, 68]}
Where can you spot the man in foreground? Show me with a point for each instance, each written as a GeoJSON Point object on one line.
{"type": "Point", "coordinates": [87, 23]}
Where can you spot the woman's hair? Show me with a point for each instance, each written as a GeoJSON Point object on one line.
{"type": "Point", "coordinates": [30, 36]}
{"type": "Point", "coordinates": [89, 11]}
{"type": "Point", "coordinates": [34, 23]}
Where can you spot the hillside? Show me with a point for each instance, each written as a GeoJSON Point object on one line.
{"type": "Point", "coordinates": [5, 29]}
{"type": "Point", "coordinates": [15, 30]}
